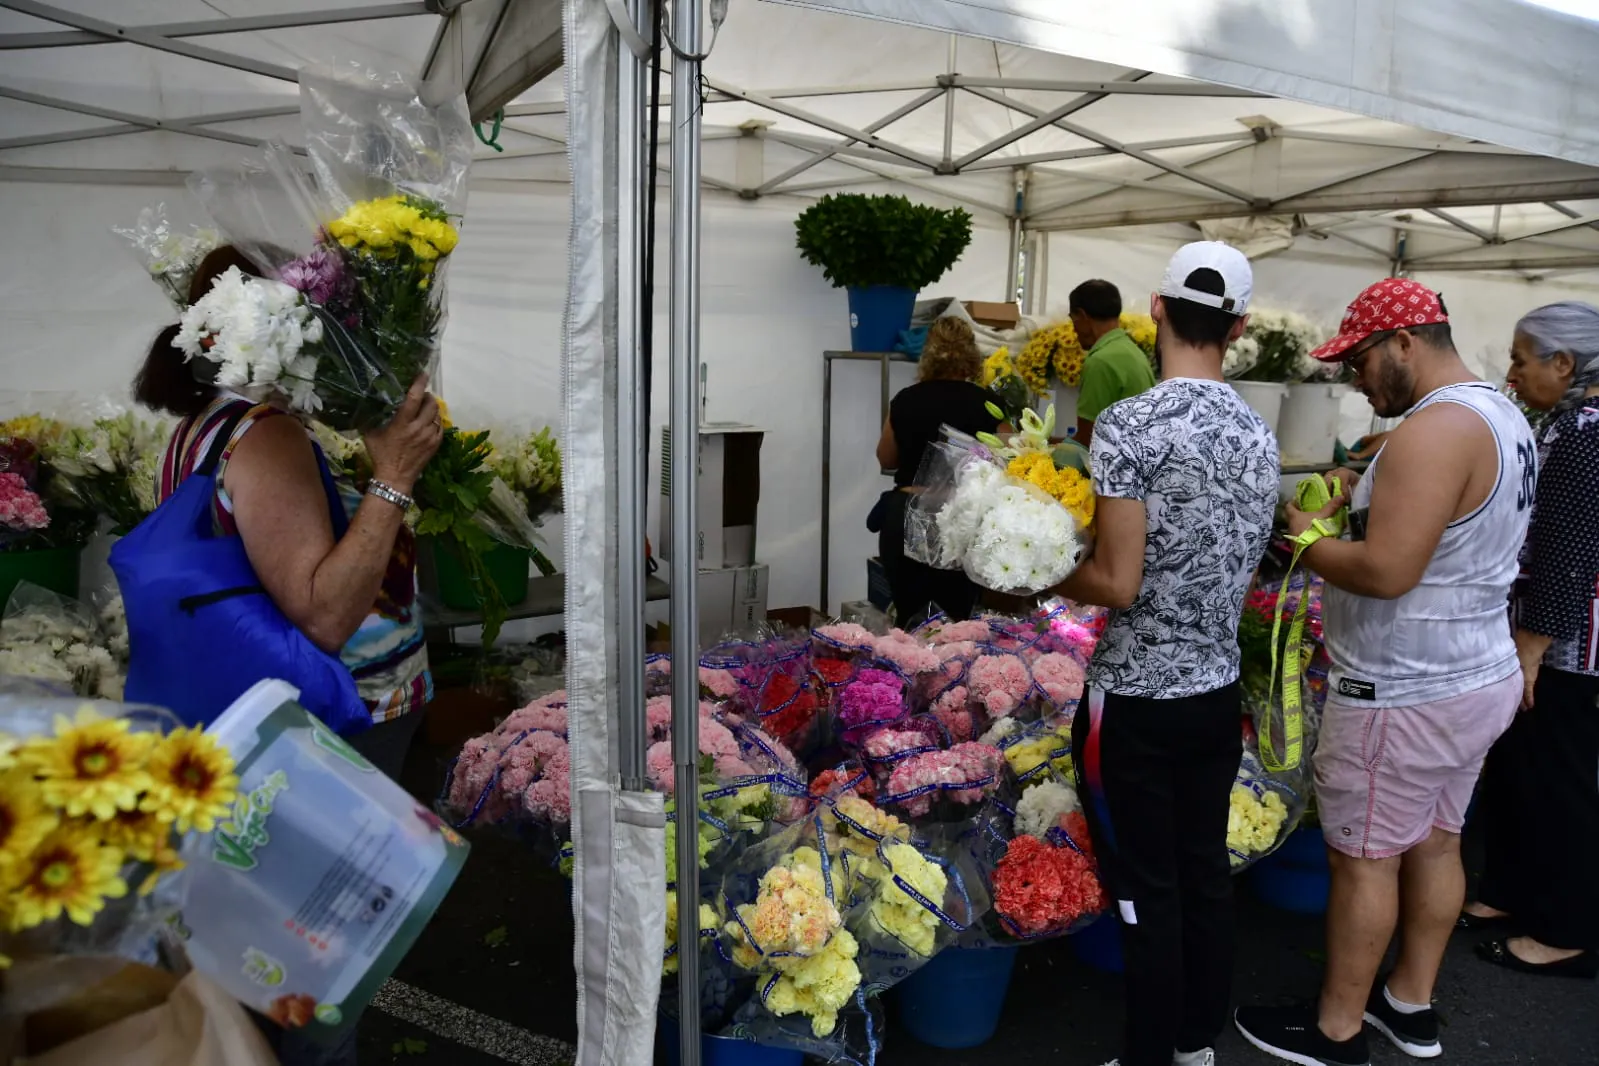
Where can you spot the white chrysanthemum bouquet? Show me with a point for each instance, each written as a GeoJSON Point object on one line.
{"type": "Point", "coordinates": [257, 335]}
{"type": "Point", "coordinates": [1013, 514]}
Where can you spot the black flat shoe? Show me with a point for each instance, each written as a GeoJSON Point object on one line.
{"type": "Point", "coordinates": [1476, 923]}
{"type": "Point", "coordinates": [1583, 967]}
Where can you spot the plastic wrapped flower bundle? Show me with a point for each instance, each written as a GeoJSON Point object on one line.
{"type": "Point", "coordinates": [96, 800]}
{"type": "Point", "coordinates": [882, 747]}
{"type": "Point", "coordinates": [1036, 750]}
{"type": "Point", "coordinates": [908, 654]}
{"type": "Point", "coordinates": [792, 937]}
{"type": "Point", "coordinates": [352, 312]}
{"type": "Point", "coordinates": [1019, 533]}
{"type": "Point", "coordinates": [109, 467]}
{"type": "Point", "coordinates": [874, 698]}
{"type": "Point", "coordinates": [512, 778]}
{"type": "Point", "coordinates": [1264, 807]}
{"type": "Point", "coordinates": [50, 638]}
{"type": "Point", "coordinates": [1048, 885]}
{"type": "Point", "coordinates": [1052, 353]}
{"type": "Point", "coordinates": [958, 779]}
{"type": "Point", "coordinates": [999, 683]}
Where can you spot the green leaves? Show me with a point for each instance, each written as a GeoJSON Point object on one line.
{"type": "Point", "coordinates": [861, 241]}
{"type": "Point", "coordinates": [453, 487]}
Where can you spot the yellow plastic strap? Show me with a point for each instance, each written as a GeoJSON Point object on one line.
{"type": "Point", "coordinates": [1312, 494]}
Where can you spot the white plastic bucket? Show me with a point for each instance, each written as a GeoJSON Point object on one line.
{"type": "Point", "coordinates": [303, 901]}
{"type": "Point", "coordinates": [1266, 397]}
{"type": "Point", "coordinates": [1307, 431]}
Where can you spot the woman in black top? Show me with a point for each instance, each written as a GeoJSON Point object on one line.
{"type": "Point", "coordinates": [945, 394]}
{"type": "Point", "coordinates": [1540, 800]}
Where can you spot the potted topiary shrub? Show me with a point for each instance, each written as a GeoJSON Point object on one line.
{"type": "Point", "coordinates": [883, 250]}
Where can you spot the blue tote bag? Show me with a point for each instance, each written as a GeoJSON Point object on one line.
{"type": "Point", "coordinates": [201, 627]}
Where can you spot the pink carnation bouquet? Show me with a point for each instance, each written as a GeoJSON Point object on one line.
{"type": "Point", "coordinates": [963, 775]}
{"type": "Point", "coordinates": [874, 698]}
{"type": "Point", "coordinates": [999, 682]}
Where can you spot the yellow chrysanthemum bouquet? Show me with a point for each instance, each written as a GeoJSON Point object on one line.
{"type": "Point", "coordinates": [1265, 806]}
{"type": "Point", "coordinates": [94, 808]}
{"type": "Point", "coordinates": [1052, 354]}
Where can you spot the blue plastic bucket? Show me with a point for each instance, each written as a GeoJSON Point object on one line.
{"type": "Point", "coordinates": [1296, 876]}
{"type": "Point", "coordinates": [726, 1050]}
{"type": "Point", "coordinates": [877, 315]}
{"type": "Point", "coordinates": [1100, 944]}
{"type": "Point", "coordinates": [956, 999]}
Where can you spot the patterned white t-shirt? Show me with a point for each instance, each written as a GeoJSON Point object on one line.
{"type": "Point", "coordinates": [1206, 467]}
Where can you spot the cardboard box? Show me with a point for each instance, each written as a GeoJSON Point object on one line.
{"type": "Point", "coordinates": [994, 315]}
{"type": "Point", "coordinates": [729, 494]}
{"type": "Point", "coordinates": [732, 601]}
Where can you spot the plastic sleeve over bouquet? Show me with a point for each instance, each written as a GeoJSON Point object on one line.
{"type": "Point", "coordinates": [1006, 533]}
{"type": "Point", "coordinates": [365, 245]}
{"type": "Point", "coordinates": [1265, 806]}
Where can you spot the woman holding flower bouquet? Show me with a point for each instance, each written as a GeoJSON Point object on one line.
{"type": "Point", "coordinates": [353, 595]}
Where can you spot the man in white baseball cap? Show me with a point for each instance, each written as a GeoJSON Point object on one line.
{"type": "Point", "coordinates": [1186, 475]}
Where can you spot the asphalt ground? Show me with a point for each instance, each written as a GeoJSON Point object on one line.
{"type": "Point", "coordinates": [491, 981]}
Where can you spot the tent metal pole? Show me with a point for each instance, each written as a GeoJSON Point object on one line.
{"type": "Point", "coordinates": [632, 446]}
{"type": "Point", "coordinates": [229, 25]}
{"type": "Point", "coordinates": [684, 414]}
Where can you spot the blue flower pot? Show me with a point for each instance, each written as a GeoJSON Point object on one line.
{"type": "Point", "coordinates": [956, 999]}
{"type": "Point", "coordinates": [1296, 876]}
{"type": "Point", "coordinates": [726, 1050]}
{"type": "Point", "coordinates": [877, 315]}
{"type": "Point", "coordinates": [1100, 944]}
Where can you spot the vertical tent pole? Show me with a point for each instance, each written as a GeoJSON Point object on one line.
{"type": "Point", "coordinates": [684, 414]}
{"type": "Point", "coordinates": [632, 450]}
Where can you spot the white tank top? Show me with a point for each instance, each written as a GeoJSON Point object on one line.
{"type": "Point", "coordinates": [1451, 633]}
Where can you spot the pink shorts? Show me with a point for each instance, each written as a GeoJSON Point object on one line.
{"type": "Point", "coordinates": [1387, 777]}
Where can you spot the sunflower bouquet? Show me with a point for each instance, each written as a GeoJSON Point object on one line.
{"type": "Point", "coordinates": [94, 807]}
{"type": "Point", "coordinates": [1052, 354]}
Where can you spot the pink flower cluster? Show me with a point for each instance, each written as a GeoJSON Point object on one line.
{"type": "Point", "coordinates": [972, 631]}
{"type": "Point", "coordinates": [21, 510]}
{"type": "Point", "coordinates": [846, 637]}
{"type": "Point", "coordinates": [999, 682]}
{"type": "Point", "coordinates": [875, 697]}
{"type": "Point", "coordinates": [524, 770]}
{"type": "Point", "coordinates": [953, 712]}
{"type": "Point", "coordinates": [716, 740]}
{"type": "Point", "coordinates": [1060, 676]}
{"type": "Point", "coordinates": [910, 655]}
{"type": "Point", "coordinates": [964, 774]}
{"type": "Point", "coordinates": [884, 744]}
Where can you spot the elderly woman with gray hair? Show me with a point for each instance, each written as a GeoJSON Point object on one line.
{"type": "Point", "coordinates": [1540, 788]}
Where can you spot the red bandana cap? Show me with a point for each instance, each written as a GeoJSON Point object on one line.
{"type": "Point", "coordinates": [1394, 303]}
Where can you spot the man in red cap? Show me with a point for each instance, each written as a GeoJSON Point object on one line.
{"type": "Point", "coordinates": [1425, 676]}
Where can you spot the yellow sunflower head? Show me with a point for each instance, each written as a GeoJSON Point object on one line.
{"type": "Point", "coordinates": [71, 872]}
{"type": "Point", "coordinates": [997, 366]}
{"type": "Point", "coordinates": [93, 765]}
{"type": "Point", "coordinates": [24, 820]}
{"type": "Point", "coordinates": [192, 782]}
{"type": "Point", "coordinates": [139, 834]}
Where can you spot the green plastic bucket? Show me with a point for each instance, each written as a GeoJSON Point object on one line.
{"type": "Point", "coordinates": [507, 567]}
{"type": "Point", "coordinates": [53, 568]}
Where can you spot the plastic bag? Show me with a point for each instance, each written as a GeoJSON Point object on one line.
{"type": "Point", "coordinates": [1265, 807]}
{"type": "Point", "coordinates": [48, 637]}
{"type": "Point", "coordinates": [365, 247]}
{"type": "Point", "coordinates": [125, 909]}
{"type": "Point", "coordinates": [169, 253]}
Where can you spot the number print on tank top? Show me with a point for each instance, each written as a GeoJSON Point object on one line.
{"type": "Point", "coordinates": [1527, 460]}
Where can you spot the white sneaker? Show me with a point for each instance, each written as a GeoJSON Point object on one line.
{"type": "Point", "coordinates": [1207, 1057]}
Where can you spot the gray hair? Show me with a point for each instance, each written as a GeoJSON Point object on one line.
{"type": "Point", "coordinates": [1571, 327]}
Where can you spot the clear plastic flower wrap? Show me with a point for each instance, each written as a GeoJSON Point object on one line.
{"type": "Point", "coordinates": [1264, 806]}
{"type": "Point", "coordinates": [170, 253]}
{"type": "Point", "coordinates": [361, 249]}
{"type": "Point", "coordinates": [45, 636]}
{"type": "Point", "coordinates": [831, 912]}
{"type": "Point", "coordinates": [96, 800]}
{"type": "Point", "coordinates": [767, 677]}
{"type": "Point", "coordinates": [1033, 848]}
{"type": "Point", "coordinates": [1004, 513]}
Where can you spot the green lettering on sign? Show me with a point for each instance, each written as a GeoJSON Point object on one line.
{"type": "Point", "coordinates": [235, 841]}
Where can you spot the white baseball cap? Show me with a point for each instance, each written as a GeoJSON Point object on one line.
{"type": "Point", "coordinates": [1236, 277]}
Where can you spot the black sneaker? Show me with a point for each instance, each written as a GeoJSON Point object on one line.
{"type": "Point", "coordinates": [1293, 1035]}
{"type": "Point", "coordinates": [1414, 1034]}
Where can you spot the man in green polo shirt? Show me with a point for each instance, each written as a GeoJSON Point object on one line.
{"type": "Point", "coordinates": [1115, 367]}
